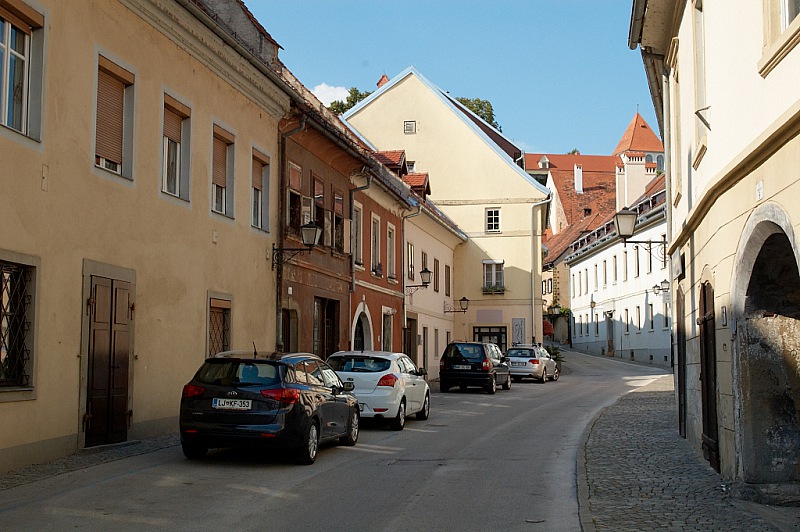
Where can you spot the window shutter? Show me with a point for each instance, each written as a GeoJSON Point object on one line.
{"type": "Point", "coordinates": [347, 237]}
{"type": "Point", "coordinates": [295, 177]}
{"type": "Point", "coordinates": [219, 174]}
{"type": "Point", "coordinates": [328, 229]}
{"type": "Point", "coordinates": [305, 210]}
{"type": "Point", "coordinates": [258, 169]}
{"type": "Point", "coordinates": [172, 125]}
{"type": "Point", "coordinates": [110, 113]}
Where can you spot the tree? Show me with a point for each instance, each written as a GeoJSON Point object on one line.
{"type": "Point", "coordinates": [482, 108]}
{"type": "Point", "coordinates": [339, 107]}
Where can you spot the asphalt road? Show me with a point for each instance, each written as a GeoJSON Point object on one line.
{"type": "Point", "coordinates": [479, 462]}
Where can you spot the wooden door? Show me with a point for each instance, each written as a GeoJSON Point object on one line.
{"type": "Point", "coordinates": [680, 347]}
{"type": "Point", "coordinates": [109, 305]}
{"type": "Point", "coordinates": [708, 376]}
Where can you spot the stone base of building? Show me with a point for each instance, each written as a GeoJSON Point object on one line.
{"type": "Point", "coordinates": [775, 494]}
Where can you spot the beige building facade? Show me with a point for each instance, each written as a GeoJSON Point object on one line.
{"type": "Point", "coordinates": [729, 106]}
{"type": "Point", "coordinates": [139, 155]}
{"type": "Point", "coordinates": [476, 182]}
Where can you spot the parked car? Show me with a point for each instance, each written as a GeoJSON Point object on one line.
{"type": "Point", "coordinates": [241, 399]}
{"type": "Point", "coordinates": [532, 361]}
{"type": "Point", "coordinates": [387, 385]}
{"type": "Point", "coordinates": [466, 364]}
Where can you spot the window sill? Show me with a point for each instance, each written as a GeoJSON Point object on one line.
{"type": "Point", "coordinates": [13, 394]}
{"type": "Point", "coordinates": [779, 48]}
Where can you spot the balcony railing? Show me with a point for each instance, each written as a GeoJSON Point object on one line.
{"type": "Point", "coordinates": [493, 288]}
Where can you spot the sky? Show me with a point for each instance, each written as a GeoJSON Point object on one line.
{"type": "Point", "coordinates": [558, 73]}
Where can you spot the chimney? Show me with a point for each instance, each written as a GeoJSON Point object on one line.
{"type": "Point", "coordinates": [578, 179]}
{"type": "Point", "coordinates": [383, 81]}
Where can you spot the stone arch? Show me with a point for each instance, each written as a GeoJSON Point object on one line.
{"type": "Point", "coordinates": [361, 330]}
{"type": "Point", "coordinates": [765, 304]}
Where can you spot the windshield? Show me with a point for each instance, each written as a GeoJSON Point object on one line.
{"type": "Point", "coordinates": [356, 363]}
{"type": "Point", "coordinates": [525, 353]}
{"type": "Point", "coordinates": [238, 372]}
{"type": "Point", "coordinates": [466, 351]}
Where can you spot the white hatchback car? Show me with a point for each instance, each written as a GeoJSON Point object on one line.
{"type": "Point", "coordinates": [532, 361]}
{"type": "Point", "coordinates": [387, 385]}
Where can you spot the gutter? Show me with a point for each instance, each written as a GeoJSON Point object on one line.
{"type": "Point", "coordinates": [637, 22]}
{"type": "Point", "coordinates": [281, 231]}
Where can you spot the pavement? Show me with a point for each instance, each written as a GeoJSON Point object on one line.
{"type": "Point", "coordinates": [631, 476]}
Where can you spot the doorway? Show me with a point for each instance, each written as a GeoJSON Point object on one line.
{"type": "Point", "coordinates": [708, 375]}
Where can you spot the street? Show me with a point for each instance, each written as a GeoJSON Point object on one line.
{"type": "Point", "coordinates": [479, 462]}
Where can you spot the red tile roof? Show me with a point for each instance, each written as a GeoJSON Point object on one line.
{"type": "Point", "coordinates": [383, 81]}
{"type": "Point", "coordinates": [639, 137]}
{"type": "Point", "coordinates": [560, 243]}
{"type": "Point", "coordinates": [392, 159]}
{"type": "Point", "coordinates": [419, 183]}
{"type": "Point", "coordinates": [590, 163]}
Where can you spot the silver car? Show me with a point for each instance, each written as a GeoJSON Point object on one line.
{"type": "Point", "coordinates": [532, 361]}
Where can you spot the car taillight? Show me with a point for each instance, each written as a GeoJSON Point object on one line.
{"type": "Point", "coordinates": [534, 361]}
{"type": "Point", "coordinates": [441, 363]}
{"type": "Point", "coordinates": [486, 365]}
{"type": "Point", "coordinates": [287, 396]}
{"type": "Point", "coordinates": [388, 380]}
{"type": "Point", "coordinates": [190, 390]}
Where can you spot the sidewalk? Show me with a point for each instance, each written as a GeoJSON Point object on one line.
{"type": "Point", "coordinates": [635, 472]}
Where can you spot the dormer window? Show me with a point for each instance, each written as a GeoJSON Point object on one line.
{"type": "Point", "coordinates": [544, 162]}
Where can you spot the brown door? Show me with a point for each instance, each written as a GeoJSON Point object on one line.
{"type": "Point", "coordinates": [109, 352]}
{"type": "Point", "coordinates": [708, 376]}
{"type": "Point", "coordinates": [680, 346]}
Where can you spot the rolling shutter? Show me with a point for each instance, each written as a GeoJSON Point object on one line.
{"type": "Point", "coordinates": [110, 114]}
{"type": "Point", "coordinates": [219, 175]}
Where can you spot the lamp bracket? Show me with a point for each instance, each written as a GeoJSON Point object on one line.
{"type": "Point", "coordinates": [284, 255]}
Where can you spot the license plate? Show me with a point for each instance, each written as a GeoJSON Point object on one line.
{"type": "Point", "coordinates": [232, 404]}
{"type": "Point", "coordinates": [461, 366]}
{"type": "Point", "coordinates": [519, 363]}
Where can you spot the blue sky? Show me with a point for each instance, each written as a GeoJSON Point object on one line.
{"type": "Point", "coordinates": [558, 73]}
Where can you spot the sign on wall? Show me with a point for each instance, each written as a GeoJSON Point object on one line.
{"type": "Point", "coordinates": [517, 331]}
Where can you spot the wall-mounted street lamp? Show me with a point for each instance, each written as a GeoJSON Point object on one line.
{"type": "Point", "coordinates": [463, 303]}
{"type": "Point", "coordinates": [625, 222]}
{"type": "Point", "coordinates": [425, 277]}
{"type": "Point", "coordinates": [555, 309]}
{"type": "Point", "coordinates": [309, 234]}
{"type": "Point", "coordinates": [663, 286]}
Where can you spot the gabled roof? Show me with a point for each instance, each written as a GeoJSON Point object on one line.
{"type": "Point", "coordinates": [419, 183]}
{"type": "Point", "coordinates": [590, 163]}
{"type": "Point", "coordinates": [465, 115]}
{"type": "Point", "coordinates": [639, 137]}
{"type": "Point", "coordinates": [394, 160]}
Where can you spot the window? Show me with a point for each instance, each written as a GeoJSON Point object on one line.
{"type": "Point", "coordinates": [493, 276]}
{"type": "Point", "coordinates": [260, 190]}
{"type": "Point", "coordinates": [410, 259]}
{"type": "Point", "coordinates": [410, 127]}
{"type": "Point", "coordinates": [701, 111]}
{"type": "Point", "coordinates": [222, 173]}
{"type": "Point", "coordinates": [21, 68]}
{"type": "Point", "coordinates": [666, 316]}
{"type": "Point", "coordinates": [339, 230]}
{"type": "Point", "coordinates": [789, 11]}
{"type": "Point", "coordinates": [391, 266]}
{"type": "Point", "coordinates": [624, 265]}
{"type": "Point", "coordinates": [358, 235]}
{"type": "Point", "coordinates": [573, 283]}
{"type": "Point", "coordinates": [16, 317]}
{"type": "Point", "coordinates": [114, 139]}
{"type": "Point", "coordinates": [663, 251]}
{"type": "Point", "coordinates": [638, 319]}
{"type": "Point", "coordinates": [375, 247]}
{"type": "Point", "coordinates": [580, 284]}
{"type": "Point", "coordinates": [605, 275]}
{"type": "Point", "coordinates": [781, 31]}
{"type": "Point", "coordinates": [596, 325]}
{"type": "Point", "coordinates": [586, 281]}
{"type": "Point", "coordinates": [627, 323]}
{"type": "Point", "coordinates": [492, 220]}
{"type": "Point", "coordinates": [446, 282]}
{"type": "Point", "coordinates": [649, 258]}
{"type": "Point", "coordinates": [410, 165]}
{"type": "Point", "coordinates": [424, 265]}
{"type": "Point", "coordinates": [175, 169]}
{"type": "Point", "coordinates": [650, 315]}
{"type": "Point", "coordinates": [435, 275]}
{"type": "Point", "coordinates": [614, 268]}
{"type": "Point", "coordinates": [636, 261]}
{"type": "Point", "coordinates": [596, 283]}
{"type": "Point", "coordinates": [319, 209]}
{"type": "Point", "coordinates": [219, 325]}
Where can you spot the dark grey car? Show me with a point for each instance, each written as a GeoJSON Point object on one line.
{"type": "Point", "coordinates": [466, 364]}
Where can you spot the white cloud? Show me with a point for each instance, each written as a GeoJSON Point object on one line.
{"type": "Point", "coordinates": [326, 93]}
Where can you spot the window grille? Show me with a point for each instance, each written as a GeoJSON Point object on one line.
{"type": "Point", "coordinates": [15, 300]}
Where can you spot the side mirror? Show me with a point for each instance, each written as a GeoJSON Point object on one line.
{"type": "Point", "coordinates": [422, 372]}
{"type": "Point", "coordinates": [348, 386]}
{"type": "Point", "coordinates": [504, 359]}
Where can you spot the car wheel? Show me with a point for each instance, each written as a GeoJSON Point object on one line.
{"type": "Point", "coordinates": [309, 445]}
{"type": "Point", "coordinates": [194, 451]}
{"type": "Point", "coordinates": [544, 376]}
{"type": "Point", "coordinates": [492, 387]}
{"type": "Point", "coordinates": [507, 384]}
{"type": "Point", "coordinates": [351, 437]}
{"type": "Point", "coordinates": [556, 374]}
{"type": "Point", "coordinates": [423, 414]}
{"type": "Point", "coordinates": [444, 388]}
{"type": "Point", "coordinates": [462, 387]}
{"type": "Point", "coordinates": [399, 420]}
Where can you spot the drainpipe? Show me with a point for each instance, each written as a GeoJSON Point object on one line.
{"type": "Point", "coordinates": [405, 310]}
{"type": "Point", "coordinates": [281, 232]}
{"type": "Point", "coordinates": [534, 260]}
{"type": "Point", "coordinates": [364, 170]}
{"type": "Point", "coordinates": [668, 207]}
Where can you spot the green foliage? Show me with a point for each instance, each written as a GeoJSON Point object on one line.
{"type": "Point", "coordinates": [555, 352]}
{"type": "Point", "coordinates": [338, 106]}
{"type": "Point", "coordinates": [482, 108]}
{"type": "Point", "coordinates": [574, 152]}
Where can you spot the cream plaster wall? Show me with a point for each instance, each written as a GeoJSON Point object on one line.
{"type": "Point", "coordinates": [58, 207]}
